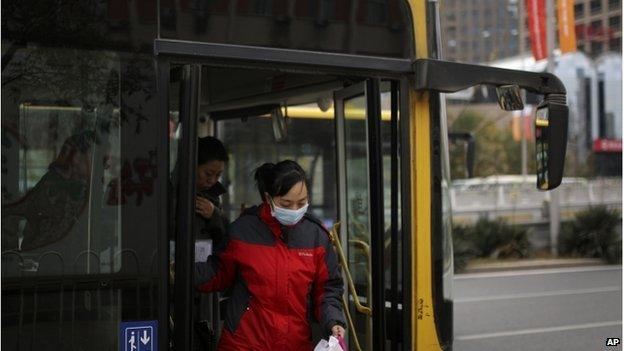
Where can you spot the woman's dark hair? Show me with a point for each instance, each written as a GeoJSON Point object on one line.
{"type": "Point", "coordinates": [277, 179]}
{"type": "Point", "coordinates": [210, 149]}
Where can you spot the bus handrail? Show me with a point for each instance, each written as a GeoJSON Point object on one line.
{"type": "Point", "coordinates": [365, 248]}
{"type": "Point", "coordinates": [356, 341]}
{"type": "Point", "coordinates": [333, 237]}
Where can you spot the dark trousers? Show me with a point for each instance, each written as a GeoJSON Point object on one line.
{"type": "Point", "coordinates": [206, 322]}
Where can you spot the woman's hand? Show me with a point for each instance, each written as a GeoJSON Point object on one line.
{"type": "Point", "coordinates": [338, 331]}
{"type": "Point", "coordinates": [204, 207]}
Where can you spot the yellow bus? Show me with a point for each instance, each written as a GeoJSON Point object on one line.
{"type": "Point", "coordinates": [102, 105]}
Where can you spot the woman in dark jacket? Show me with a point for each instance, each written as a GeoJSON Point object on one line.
{"type": "Point", "coordinates": [281, 267]}
{"type": "Point", "coordinates": [211, 223]}
{"type": "Point", "coordinates": [210, 226]}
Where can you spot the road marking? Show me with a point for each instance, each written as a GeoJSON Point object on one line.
{"type": "Point", "coordinates": [537, 272]}
{"type": "Point", "coordinates": [538, 330]}
{"type": "Point", "coordinates": [540, 294]}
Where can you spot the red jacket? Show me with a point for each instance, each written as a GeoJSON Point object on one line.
{"type": "Point", "coordinates": [280, 278]}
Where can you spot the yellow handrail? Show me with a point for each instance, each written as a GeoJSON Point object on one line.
{"type": "Point", "coordinates": [333, 237]}
{"type": "Point", "coordinates": [365, 248]}
{"type": "Point", "coordinates": [356, 341]}
{"type": "Point", "coordinates": [359, 244]}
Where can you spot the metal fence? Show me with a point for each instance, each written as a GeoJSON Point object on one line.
{"type": "Point", "coordinates": [521, 203]}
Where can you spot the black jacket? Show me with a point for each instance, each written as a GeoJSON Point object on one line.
{"type": "Point", "coordinates": [215, 227]}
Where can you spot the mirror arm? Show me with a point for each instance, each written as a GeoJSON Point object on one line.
{"type": "Point", "coordinates": [450, 77]}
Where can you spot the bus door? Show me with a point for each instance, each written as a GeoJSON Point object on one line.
{"type": "Point", "coordinates": [193, 318]}
{"type": "Point", "coordinates": [261, 115]}
{"type": "Point", "coordinates": [368, 177]}
{"type": "Point", "coordinates": [335, 133]}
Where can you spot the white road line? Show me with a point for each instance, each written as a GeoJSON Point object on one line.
{"type": "Point", "coordinates": [539, 294]}
{"type": "Point", "coordinates": [537, 272]}
{"type": "Point", "coordinates": [538, 330]}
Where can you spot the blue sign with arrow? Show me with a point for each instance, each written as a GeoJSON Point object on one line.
{"type": "Point", "coordinates": [138, 336]}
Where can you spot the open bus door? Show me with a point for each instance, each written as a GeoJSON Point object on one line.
{"type": "Point", "coordinates": [362, 228]}
{"type": "Point", "coordinates": [355, 142]}
{"type": "Point", "coordinates": [368, 182]}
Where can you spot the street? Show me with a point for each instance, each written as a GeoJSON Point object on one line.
{"type": "Point", "coordinates": [546, 309]}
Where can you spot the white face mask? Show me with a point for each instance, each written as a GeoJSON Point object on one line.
{"type": "Point", "coordinates": [286, 216]}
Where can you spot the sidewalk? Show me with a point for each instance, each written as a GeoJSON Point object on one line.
{"type": "Point", "coordinates": [495, 266]}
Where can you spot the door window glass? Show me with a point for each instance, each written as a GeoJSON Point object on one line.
{"type": "Point", "coordinates": [355, 208]}
{"type": "Point", "coordinates": [357, 191]}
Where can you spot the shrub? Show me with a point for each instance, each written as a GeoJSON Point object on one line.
{"type": "Point", "coordinates": [463, 248]}
{"type": "Point", "coordinates": [489, 239]}
{"type": "Point", "coordinates": [592, 234]}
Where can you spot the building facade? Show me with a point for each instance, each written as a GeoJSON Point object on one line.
{"type": "Point", "coordinates": [598, 26]}
{"type": "Point", "coordinates": [489, 30]}
{"type": "Point", "coordinates": [479, 31]}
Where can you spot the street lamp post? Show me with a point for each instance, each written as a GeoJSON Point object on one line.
{"type": "Point", "coordinates": [554, 210]}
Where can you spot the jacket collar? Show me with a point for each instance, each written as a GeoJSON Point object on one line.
{"type": "Point", "coordinates": [264, 212]}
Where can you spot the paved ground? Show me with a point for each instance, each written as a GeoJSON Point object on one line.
{"type": "Point", "coordinates": [536, 263]}
{"type": "Point", "coordinates": [573, 308]}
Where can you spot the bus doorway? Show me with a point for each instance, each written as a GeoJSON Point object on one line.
{"type": "Point", "coordinates": [323, 122]}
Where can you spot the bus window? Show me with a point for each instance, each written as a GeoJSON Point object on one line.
{"type": "Point", "coordinates": [78, 169]}
{"type": "Point", "coordinates": [378, 27]}
{"type": "Point", "coordinates": [58, 148]}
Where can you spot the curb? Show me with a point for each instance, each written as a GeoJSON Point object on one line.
{"type": "Point", "coordinates": [530, 264]}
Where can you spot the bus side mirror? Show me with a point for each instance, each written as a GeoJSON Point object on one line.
{"type": "Point", "coordinates": [509, 97]}
{"type": "Point", "coordinates": [551, 137]}
{"type": "Point", "coordinates": [551, 124]}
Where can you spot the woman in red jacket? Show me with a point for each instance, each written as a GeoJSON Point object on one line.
{"type": "Point", "coordinates": [281, 266]}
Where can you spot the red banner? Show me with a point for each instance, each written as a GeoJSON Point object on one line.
{"type": "Point", "coordinates": [536, 15]}
{"type": "Point", "coordinates": [607, 145]}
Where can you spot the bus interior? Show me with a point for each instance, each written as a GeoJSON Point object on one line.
{"type": "Point", "coordinates": [268, 115]}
